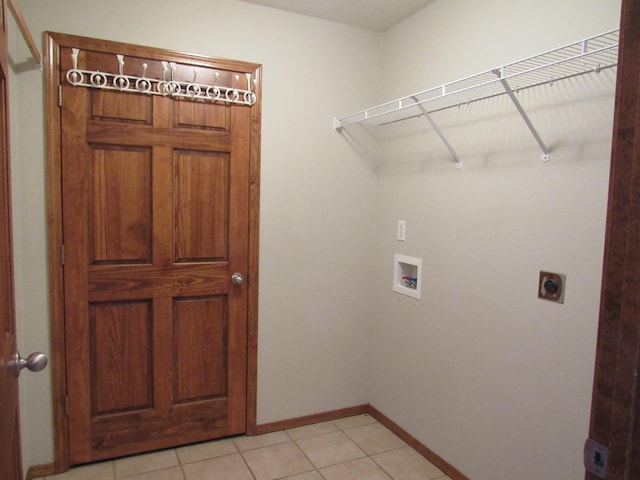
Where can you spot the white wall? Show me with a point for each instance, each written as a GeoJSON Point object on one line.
{"type": "Point", "coordinates": [314, 239]}
{"type": "Point", "coordinates": [480, 370]}
{"type": "Point", "coordinates": [492, 379]}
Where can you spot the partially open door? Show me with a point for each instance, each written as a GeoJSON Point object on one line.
{"type": "Point", "coordinates": [614, 450]}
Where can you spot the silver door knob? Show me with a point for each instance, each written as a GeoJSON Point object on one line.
{"type": "Point", "coordinates": [34, 362]}
{"type": "Point", "coordinates": [237, 278]}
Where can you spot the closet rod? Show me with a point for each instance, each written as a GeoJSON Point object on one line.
{"type": "Point", "coordinates": [22, 25]}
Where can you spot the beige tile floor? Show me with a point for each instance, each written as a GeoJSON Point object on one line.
{"type": "Point", "coordinates": [357, 448]}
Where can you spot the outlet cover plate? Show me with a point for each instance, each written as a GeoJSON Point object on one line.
{"type": "Point", "coordinates": [595, 458]}
{"type": "Point", "coordinates": [551, 286]}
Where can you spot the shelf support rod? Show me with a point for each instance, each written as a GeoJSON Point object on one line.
{"type": "Point", "coordinates": [523, 114]}
{"type": "Point", "coordinates": [22, 25]}
{"type": "Point", "coordinates": [439, 132]}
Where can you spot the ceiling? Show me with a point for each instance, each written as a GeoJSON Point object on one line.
{"type": "Point", "coordinates": [379, 15]}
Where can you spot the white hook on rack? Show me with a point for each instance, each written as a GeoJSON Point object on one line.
{"type": "Point", "coordinates": [74, 75]}
{"type": "Point", "coordinates": [121, 81]}
{"type": "Point", "coordinates": [165, 69]}
{"type": "Point", "coordinates": [74, 57]}
{"type": "Point", "coordinates": [120, 64]}
{"type": "Point", "coordinates": [142, 84]}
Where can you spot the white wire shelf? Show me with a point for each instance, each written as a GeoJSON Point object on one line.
{"type": "Point", "coordinates": [592, 54]}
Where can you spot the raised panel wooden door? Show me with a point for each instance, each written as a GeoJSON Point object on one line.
{"type": "Point", "coordinates": [155, 214]}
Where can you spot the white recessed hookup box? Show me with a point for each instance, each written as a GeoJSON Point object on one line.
{"type": "Point", "coordinates": [407, 275]}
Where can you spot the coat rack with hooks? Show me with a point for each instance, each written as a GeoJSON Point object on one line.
{"type": "Point", "coordinates": [592, 54]}
{"type": "Point", "coordinates": [167, 85]}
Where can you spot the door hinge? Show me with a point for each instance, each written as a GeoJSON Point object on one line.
{"type": "Point", "coordinates": [62, 254]}
{"type": "Point", "coordinates": [60, 95]}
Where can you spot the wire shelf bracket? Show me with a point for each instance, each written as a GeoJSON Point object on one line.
{"type": "Point", "coordinates": [439, 133]}
{"type": "Point", "coordinates": [590, 55]}
{"type": "Point", "coordinates": [523, 114]}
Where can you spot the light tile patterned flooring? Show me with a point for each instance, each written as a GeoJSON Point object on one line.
{"type": "Point", "coordinates": [353, 448]}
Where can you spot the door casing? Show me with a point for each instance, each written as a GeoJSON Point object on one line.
{"type": "Point", "coordinates": [54, 42]}
{"type": "Point", "coordinates": [10, 449]}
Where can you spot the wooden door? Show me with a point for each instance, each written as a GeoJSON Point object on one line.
{"type": "Point", "coordinates": [615, 410]}
{"type": "Point", "coordinates": [155, 213]}
{"type": "Point", "coordinates": [10, 462]}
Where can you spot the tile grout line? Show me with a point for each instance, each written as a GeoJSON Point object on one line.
{"type": "Point", "coordinates": [237, 452]}
{"type": "Point", "coordinates": [344, 432]}
{"type": "Point", "coordinates": [287, 438]}
{"type": "Point", "coordinates": [184, 474]}
{"type": "Point", "coordinates": [244, 460]}
{"type": "Point", "coordinates": [381, 467]}
{"type": "Point", "coordinates": [370, 456]}
{"type": "Point", "coordinates": [315, 469]}
{"type": "Point", "coordinates": [178, 464]}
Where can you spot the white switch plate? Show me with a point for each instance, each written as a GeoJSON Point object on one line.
{"type": "Point", "coordinates": [401, 233]}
